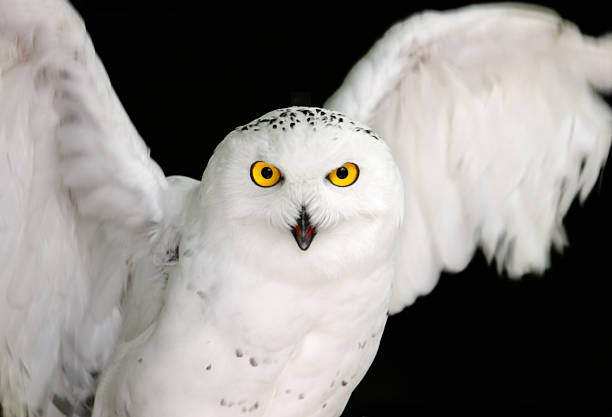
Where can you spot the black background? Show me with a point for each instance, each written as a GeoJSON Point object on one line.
{"type": "Point", "coordinates": [479, 343]}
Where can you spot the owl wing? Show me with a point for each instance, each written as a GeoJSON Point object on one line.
{"type": "Point", "coordinates": [81, 201]}
{"type": "Point", "coordinates": [494, 121]}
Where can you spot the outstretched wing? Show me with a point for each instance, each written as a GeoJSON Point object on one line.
{"type": "Point", "coordinates": [80, 201]}
{"type": "Point", "coordinates": [493, 118]}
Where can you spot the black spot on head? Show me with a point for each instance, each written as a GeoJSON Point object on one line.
{"type": "Point", "coordinates": [209, 367]}
{"type": "Point", "coordinates": [139, 360]}
{"type": "Point", "coordinates": [315, 117]}
{"type": "Point", "coordinates": [344, 383]}
{"type": "Point", "coordinates": [239, 353]}
{"type": "Point", "coordinates": [253, 362]}
{"type": "Point", "coordinates": [301, 396]}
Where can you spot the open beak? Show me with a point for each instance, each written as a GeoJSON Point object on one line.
{"type": "Point", "coordinates": [303, 231]}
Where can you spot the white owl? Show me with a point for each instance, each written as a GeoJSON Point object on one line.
{"type": "Point", "coordinates": [264, 289]}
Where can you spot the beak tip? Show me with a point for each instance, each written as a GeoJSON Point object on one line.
{"type": "Point", "coordinates": [303, 241]}
{"type": "Point", "coordinates": [304, 245]}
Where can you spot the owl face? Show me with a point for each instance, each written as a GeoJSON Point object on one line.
{"type": "Point", "coordinates": [304, 181]}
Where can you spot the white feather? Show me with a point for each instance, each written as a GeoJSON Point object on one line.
{"type": "Point", "coordinates": [81, 204]}
{"type": "Point", "coordinates": [493, 121]}
{"type": "Point", "coordinates": [488, 111]}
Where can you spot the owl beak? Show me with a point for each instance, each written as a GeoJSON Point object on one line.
{"type": "Point", "coordinates": [303, 231]}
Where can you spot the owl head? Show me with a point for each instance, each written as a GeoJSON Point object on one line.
{"type": "Point", "coordinates": [307, 185]}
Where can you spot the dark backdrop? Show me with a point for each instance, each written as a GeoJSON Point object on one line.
{"type": "Point", "coordinates": [478, 343]}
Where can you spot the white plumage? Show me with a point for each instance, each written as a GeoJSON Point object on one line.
{"type": "Point", "coordinates": [488, 114]}
{"type": "Point", "coordinates": [491, 187]}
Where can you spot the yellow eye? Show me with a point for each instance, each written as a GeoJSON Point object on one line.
{"type": "Point", "coordinates": [344, 175]}
{"type": "Point", "coordinates": [264, 175]}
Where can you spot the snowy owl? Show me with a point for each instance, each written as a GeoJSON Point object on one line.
{"type": "Point", "coordinates": [264, 288]}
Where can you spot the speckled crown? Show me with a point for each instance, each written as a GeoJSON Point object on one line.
{"type": "Point", "coordinates": [291, 117]}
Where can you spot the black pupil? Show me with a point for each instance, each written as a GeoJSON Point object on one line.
{"type": "Point", "coordinates": [266, 172]}
{"type": "Point", "coordinates": [342, 173]}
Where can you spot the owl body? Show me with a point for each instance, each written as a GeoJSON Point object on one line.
{"type": "Point", "coordinates": [276, 331]}
{"type": "Point", "coordinates": [264, 289]}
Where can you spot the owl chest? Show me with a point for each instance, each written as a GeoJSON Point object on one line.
{"type": "Point", "coordinates": [275, 310]}
{"type": "Point", "coordinates": [277, 315]}
{"type": "Point", "coordinates": [290, 350]}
